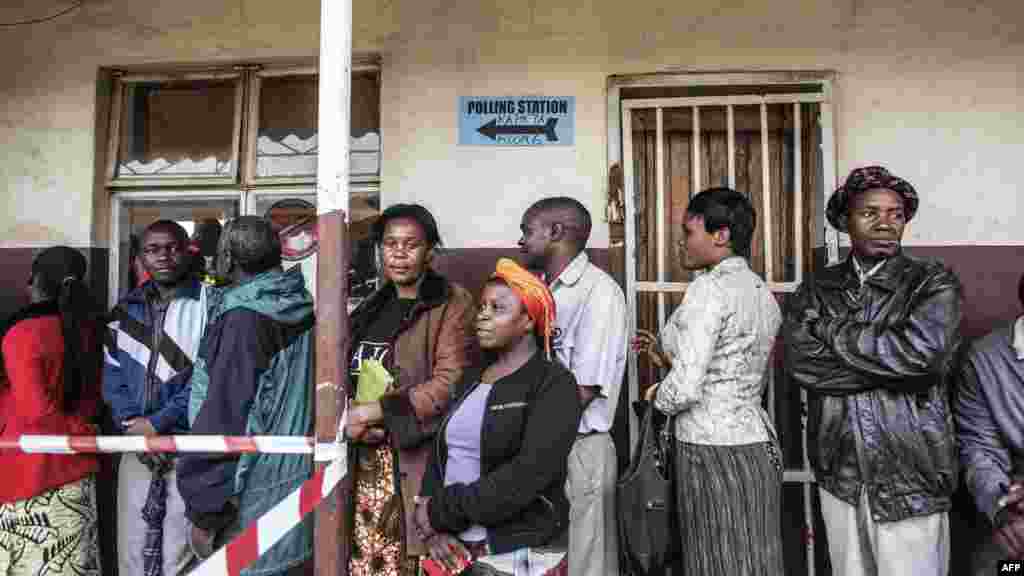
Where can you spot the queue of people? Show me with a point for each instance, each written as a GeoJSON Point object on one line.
{"type": "Point", "coordinates": [479, 429]}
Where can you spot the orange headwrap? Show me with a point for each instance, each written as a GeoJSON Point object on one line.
{"type": "Point", "coordinates": [534, 294]}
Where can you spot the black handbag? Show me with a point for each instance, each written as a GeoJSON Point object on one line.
{"type": "Point", "coordinates": [645, 501]}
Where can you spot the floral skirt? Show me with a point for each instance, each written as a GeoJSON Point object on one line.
{"type": "Point", "coordinates": [377, 547]}
{"type": "Point", "coordinates": [52, 534]}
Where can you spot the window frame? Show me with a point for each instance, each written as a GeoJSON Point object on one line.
{"type": "Point", "coordinates": [118, 203]}
{"type": "Point", "coordinates": [252, 128]}
{"type": "Point", "coordinates": [241, 186]}
{"type": "Point", "coordinates": [120, 80]}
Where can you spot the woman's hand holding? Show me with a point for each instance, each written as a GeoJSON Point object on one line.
{"type": "Point", "coordinates": [448, 551]}
{"type": "Point", "coordinates": [645, 342]}
{"type": "Point", "coordinates": [421, 518]}
{"type": "Point", "coordinates": [360, 424]}
{"type": "Point", "coordinates": [355, 424]}
{"type": "Point", "coordinates": [651, 392]}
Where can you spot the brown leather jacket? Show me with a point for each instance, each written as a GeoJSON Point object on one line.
{"type": "Point", "coordinates": [433, 346]}
{"type": "Point", "coordinates": [877, 362]}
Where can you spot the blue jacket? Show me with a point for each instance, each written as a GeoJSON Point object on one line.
{"type": "Point", "coordinates": [128, 349]}
{"type": "Point", "coordinates": [253, 378]}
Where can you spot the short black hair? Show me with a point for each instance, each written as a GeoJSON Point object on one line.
{"type": "Point", "coordinates": [726, 208]}
{"type": "Point", "coordinates": [252, 244]}
{"type": "Point", "coordinates": [169, 226]}
{"type": "Point", "coordinates": [414, 212]}
{"type": "Point", "coordinates": [207, 236]}
{"type": "Point", "coordinates": [567, 211]}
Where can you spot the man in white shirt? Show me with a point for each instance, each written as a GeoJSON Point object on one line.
{"type": "Point", "coordinates": [591, 340]}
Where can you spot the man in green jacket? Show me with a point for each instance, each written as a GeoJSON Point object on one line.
{"type": "Point", "coordinates": [253, 378]}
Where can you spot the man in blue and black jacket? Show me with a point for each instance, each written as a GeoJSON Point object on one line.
{"type": "Point", "coordinates": [152, 341]}
{"type": "Point", "coordinates": [253, 378]}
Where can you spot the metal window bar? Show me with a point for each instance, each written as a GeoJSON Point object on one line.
{"type": "Point", "coordinates": [803, 476]}
{"type": "Point", "coordinates": [766, 198]}
{"type": "Point", "coordinates": [659, 170]}
{"type": "Point", "coordinates": [651, 286]}
{"type": "Point", "coordinates": [628, 192]}
{"type": "Point", "coordinates": [730, 129]}
{"type": "Point", "coordinates": [751, 99]}
{"type": "Point", "coordinates": [828, 173]}
{"type": "Point", "coordinates": [766, 228]}
{"type": "Point", "coordinates": [696, 172]}
{"type": "Point", "coordinates": [798, 188]}
{"type": "Point", "coordinates": [798, 234]}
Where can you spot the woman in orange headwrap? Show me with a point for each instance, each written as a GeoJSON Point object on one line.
{"type": "Point", "coordinates": [493, 490]}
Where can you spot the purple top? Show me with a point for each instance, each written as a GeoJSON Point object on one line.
{"type": "Point", "coordinates": [463, 437]}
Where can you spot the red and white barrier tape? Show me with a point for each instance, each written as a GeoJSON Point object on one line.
{"type": "Point", "coordinates": [259, 536]}
{"type": "Point", "coordinates": [29, 444]}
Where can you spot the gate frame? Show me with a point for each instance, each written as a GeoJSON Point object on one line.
{"type": "Point", "coordinates": [620, 149]}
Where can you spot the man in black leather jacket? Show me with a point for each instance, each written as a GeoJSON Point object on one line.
{"type": "Point", "coordinates": [873, 340]}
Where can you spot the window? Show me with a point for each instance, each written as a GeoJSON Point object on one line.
{"type": "Point", "coordinates": [766, 135]}
{"type": "Point", "coordinates": [177, 129]}
{"type": "Point", "coordinates": [133, 213]}
{"type": "Point", "coordinates": [193, 145]}
{"type": "Point", "coordinates": [284, 138]}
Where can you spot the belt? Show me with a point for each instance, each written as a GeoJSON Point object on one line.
{"type": "Point", "coordinates": [580, 435]}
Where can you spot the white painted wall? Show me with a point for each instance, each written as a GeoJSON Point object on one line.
{"type": "Point", "coordinates": [928, 88]}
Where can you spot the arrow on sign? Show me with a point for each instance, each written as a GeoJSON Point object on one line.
{"type": "Point", "coordinates": [492, 130]}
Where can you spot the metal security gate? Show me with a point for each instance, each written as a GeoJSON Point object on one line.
{"type": "Point", "coordinates": [675, 147]}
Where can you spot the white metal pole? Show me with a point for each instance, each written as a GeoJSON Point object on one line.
{"type": "Point", "coordinates": [334, 122]}
{"type": "Point", "coordinates": [332, 537]}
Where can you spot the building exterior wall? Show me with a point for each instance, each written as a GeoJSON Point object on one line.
{"type": "Point", "coordinates": [929, 88]}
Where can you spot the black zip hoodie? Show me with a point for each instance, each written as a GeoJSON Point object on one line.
{"type": "Point", "coordinates": [528, 430]}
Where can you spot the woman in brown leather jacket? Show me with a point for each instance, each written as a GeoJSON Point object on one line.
{"type": "Point", "coordinates": [417, 325]}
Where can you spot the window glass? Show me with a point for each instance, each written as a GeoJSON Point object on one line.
{"type": "Point", "coordinates": [286, 140]}
{"type": "Point", "coordinates": [177, 130]}
{"type": "Point", "coordinates": [202, 220]}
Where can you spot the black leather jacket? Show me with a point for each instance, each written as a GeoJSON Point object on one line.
{"type": "Point", "coordinates": [878, 362]}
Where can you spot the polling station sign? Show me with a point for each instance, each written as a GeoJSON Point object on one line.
{"type": "Point", "coordinates": [517, 120]}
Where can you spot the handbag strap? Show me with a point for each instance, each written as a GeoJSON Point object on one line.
{"type": "Point", "coordinates": [664, 441]}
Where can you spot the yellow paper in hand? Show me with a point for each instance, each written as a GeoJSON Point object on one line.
{"type": "Point", "coordinates": [374, 381]}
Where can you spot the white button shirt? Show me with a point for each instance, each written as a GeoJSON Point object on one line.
{"type": "Point", "coordinates": [591, 336]}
